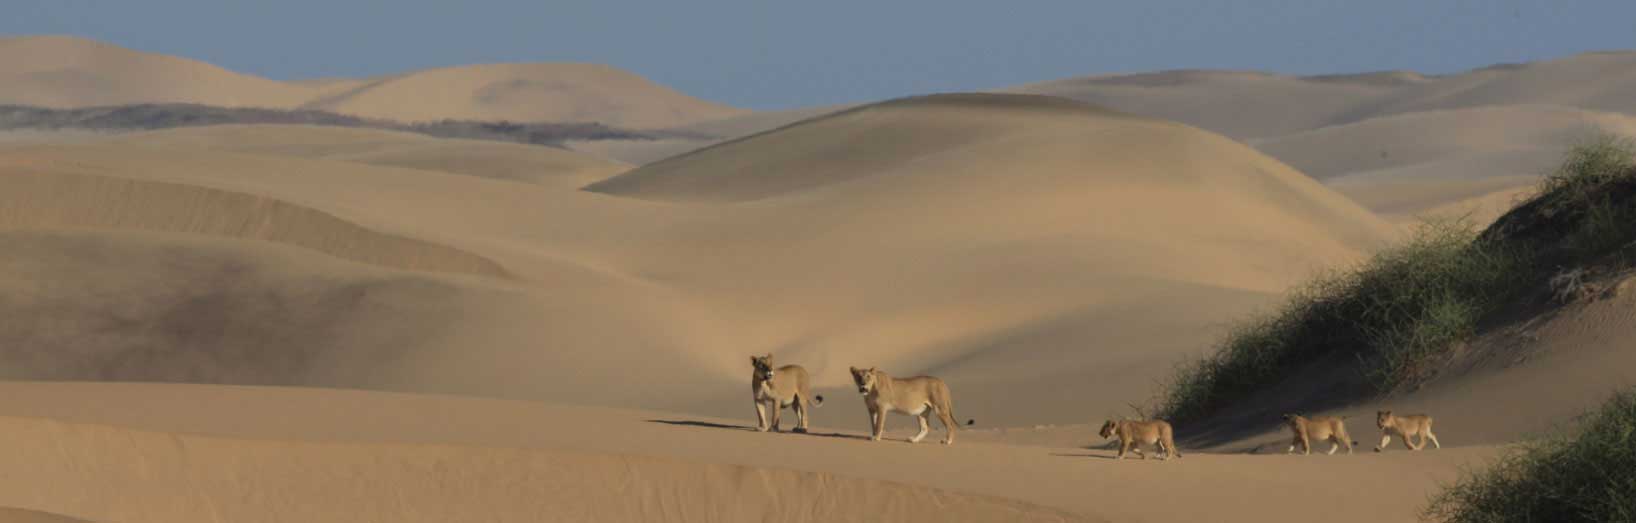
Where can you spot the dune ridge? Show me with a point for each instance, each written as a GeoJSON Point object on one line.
{"type": "Point", "coordinates": [66, 71]}
{"type": "Point", "coordinates": [33, 200]}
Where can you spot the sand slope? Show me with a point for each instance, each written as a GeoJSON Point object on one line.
{"type": "Point", "coordinates": [63, 71]}
{"type": "Point", "coordinates": [1273, 105]}
{"type": "Point", "coordinates": [506, 161]}
{"type": "Point", "coordinates": [16, 515]}
{"type": "Point", "coordinates": [1442, 161]}
{"type": "Point", "coordinates": [1467, 137]}
{"type": "Point", "coordinates": [1062, 287]}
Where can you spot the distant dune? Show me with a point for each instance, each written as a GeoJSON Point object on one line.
{"type": "Point", "coordinates": [523, 92]}
{"type": "Point", "coordinates": [62, 71]}
{"type": "Point", "coordinates": [1243, 104]}
{"type": "Point", "coordinates": [63, 200]}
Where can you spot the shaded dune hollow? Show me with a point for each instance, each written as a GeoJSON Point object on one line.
{"type": "Point", "coordinates": [51, 201]}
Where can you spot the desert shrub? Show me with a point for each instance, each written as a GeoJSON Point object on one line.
{"type": "Point", "coordinates": [1399, 312]}
{"type": "Point", "coordinates": [1585, 474]}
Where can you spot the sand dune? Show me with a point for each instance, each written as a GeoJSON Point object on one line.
{"type": "Point", "coordinates": [1444, 161]}
{"type": "Point", "coordinates": [1062, 287]}
{"type": "Point", "coordinates": [525, 163]}
{"type": "Point", "coordinates": [62, 71]}
{"type": "Point", "coordinates": [523, 92]}
{"type": "Point", "coordinates": [61, 200]}
{"type": "Point", "coordinates": [882, 208]}
{"type": "Point", "coordinates": [1264, 105]}
{"type": "Point", "coordinates": [1521, 140]}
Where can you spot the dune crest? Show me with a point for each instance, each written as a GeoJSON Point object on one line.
{"type": "Point", "coordinates": [65, 71]}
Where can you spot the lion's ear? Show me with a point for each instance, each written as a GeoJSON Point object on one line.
{"type": "Point", "coordinates": [769, 355]}
{"type": "Point", "coordinates": [871, 369]}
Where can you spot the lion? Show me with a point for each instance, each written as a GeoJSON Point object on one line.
{"type": "Point", "coordinates": [920, 396]}
{"type": "Point", "coordinates": [1405, 426]}
{"type": "Point", "coordinates": [1135, 433]}
{"type": "Point", "coordinates": [777, 388]}
{"type": "Point", "coordinates": [1321, 428]}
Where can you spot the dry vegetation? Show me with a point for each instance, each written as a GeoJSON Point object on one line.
{"type": "Point", "coordinates": [1399, 312]}
{"type": "Point", "coordinates": [165, 116]}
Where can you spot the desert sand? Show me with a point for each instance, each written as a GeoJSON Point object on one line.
{"type": "Point", "coordinates": [297, 323]}
{"type": "Point", "coordinates": [65, 71]}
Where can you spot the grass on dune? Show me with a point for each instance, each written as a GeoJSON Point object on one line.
{"type": "Point", "coordinates": [1397, 313]}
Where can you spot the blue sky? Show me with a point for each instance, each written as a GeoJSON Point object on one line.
{"type": "Point", "coordinates": [775, 54]}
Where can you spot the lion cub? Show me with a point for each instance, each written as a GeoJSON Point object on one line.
{"type": "Point", "coordinates": [1405, 426]}
{"type": "Point", "coordinates": [920, 396]}
{"type": "Point", "coordinates": [1319, 428]}
{"type": "Point", "coordinates": [776, 388]}
{"type": "Point", "coordinates": [1133, 434]}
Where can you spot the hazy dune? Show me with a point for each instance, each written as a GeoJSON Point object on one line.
{"type": "Point", "coordinates": [64, 71]}
{"type": "Point", "coordinates": [1535, 133]}
{"type": "Point", "coordinates": [1265, 105]}
{"type": "Point", "coordinates": [1443, 161]}
{"type": "Point", "coordinates": [523, 92]}
{"type": "Point", "coordinates": [506, 161]}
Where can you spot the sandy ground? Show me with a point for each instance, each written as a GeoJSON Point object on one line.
{"type": "Point", "coordinates": [249, 453]}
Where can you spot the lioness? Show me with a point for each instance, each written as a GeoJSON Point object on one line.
{"type": "Point", "coordinates": [1134, 433]}
{"type": "Point", "coordinates": [1405, 426]}
{"type": "Point", "coordinates": [919, 396]}
{"type": "Point", "coordinates": [1319, 428]}
{"type": "Point", "coordinates": [778, 388]}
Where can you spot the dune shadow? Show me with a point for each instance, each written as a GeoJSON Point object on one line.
{"type": "Point", "coordinates": [706, 424]}
{"type": "Point", "coordinates": [712, 425]}
{"type": "Point", "coordinates": [1076, 455]}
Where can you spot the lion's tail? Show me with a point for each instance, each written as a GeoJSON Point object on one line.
{"type": "Point", "coordinates": [817, 401]}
